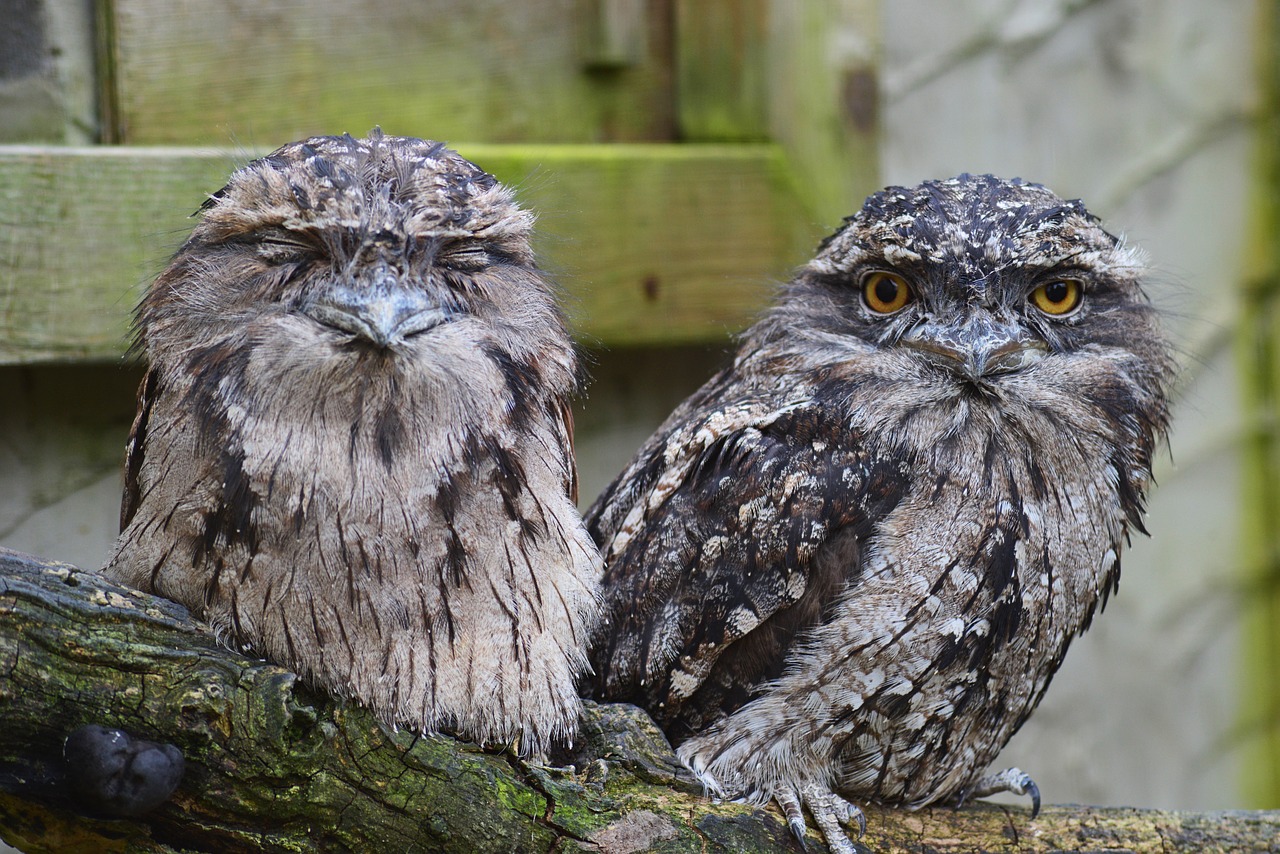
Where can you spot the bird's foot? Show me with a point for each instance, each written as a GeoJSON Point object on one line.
{"type": "Point", "coordinates": [1013, 780]}
{"type": "Point", "coordinates": [830, 812]}
{"type": "Point", "coordinates": [728, 761]}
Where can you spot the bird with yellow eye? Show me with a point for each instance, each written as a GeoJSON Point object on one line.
{"type": "Point", "coordinates": [1058, 298]}
{"type": "Point", "coordinates": [887, 293]}
{"type": "Point", "coordinates": [884, 292]}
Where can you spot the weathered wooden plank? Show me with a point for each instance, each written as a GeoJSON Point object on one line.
{"type": "Point", "coordinates": [617, 33]}
{"type": "Point", "coordinates": [209, 72]}
{"type": "Point", "coordinates": [46, 72]}
{"type": "Point", "coordinates": [660, 244]}
{"type": "Point", "coordinates": [803, 75]}
{"type": "Point", "coordinates": [80, 231]}
{"type": "Point", "coordinates": [823, 98]}
{"type": "Point", "coordinates": [721, 70]}
{"type": "Point", "coordinates": [653, 243]}
{"type": "Point", "coordinates": [1259, 343]}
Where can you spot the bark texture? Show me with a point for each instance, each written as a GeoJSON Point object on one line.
{"type": "Point", "coordinates": [272, 766]}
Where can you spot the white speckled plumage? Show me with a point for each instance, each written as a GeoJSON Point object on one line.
{"type": "Point", "coordinates": [850, 564]}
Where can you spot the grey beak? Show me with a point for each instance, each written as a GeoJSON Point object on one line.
{"type": "Point", "coordinates": [380, 315]}
{"type": "Point", "coordinates": [980, 347]}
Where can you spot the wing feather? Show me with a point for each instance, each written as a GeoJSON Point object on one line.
{"type": "Point", "coordinates": [135, 448]}
{"type": "Point", "coordinates": [710, 540]}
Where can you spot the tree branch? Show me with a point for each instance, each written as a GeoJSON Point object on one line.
{"type": "Point", "coordinates": [271, 765]}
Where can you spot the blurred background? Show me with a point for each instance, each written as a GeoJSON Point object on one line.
{"type": "Point", "coordinates": [683, 156]}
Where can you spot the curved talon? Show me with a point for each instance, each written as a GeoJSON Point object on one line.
{"type": "Point", "coordinates": [829, 811]}
{"type": "Point", "coordinates": [1034, 791]}
{"type": "Point", "coordinates": [1013, 780]}
{"type": "Point", "coordinates": [795, 815]}
{"type": "Point", "coordinates": [798, 830]}
{"type": "Point", "coordinates": [1019, 782]}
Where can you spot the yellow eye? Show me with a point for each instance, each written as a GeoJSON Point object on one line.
{"type": "Point", "coordinates": [884, 292]}
{"type": "Point", "coordinates": [1058, 297]}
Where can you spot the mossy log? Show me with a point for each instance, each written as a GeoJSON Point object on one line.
{"type": "Point", "coordinates": [272, 766]}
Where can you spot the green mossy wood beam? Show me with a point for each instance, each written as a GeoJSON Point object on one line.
{"type": "Point", "coordinates": [188, 72]}
{"type": "Point", "coordinates": [1259, 349]}
{"type": "Point", "coordinates": [272, 766]}
{"type": "Point", "coordinates": [722, 69]}
{"type": "Point", "coordinates": [654, 244]}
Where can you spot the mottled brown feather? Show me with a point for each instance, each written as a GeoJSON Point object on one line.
{"type": "Point", "coordinates": [853, 561]}
{"type": "Point", "coordinates": [351, 453]}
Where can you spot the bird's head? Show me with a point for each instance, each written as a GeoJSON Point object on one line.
{"type": "Point", "coordinates": [976, 307]}
{"type": "Point", "coordinates": [977, 279]}
{"type": "Point", "coordinates": [345, 257]}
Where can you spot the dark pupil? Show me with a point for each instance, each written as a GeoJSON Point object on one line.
{"type": "Point", "coordinates": [886, 290]}
{"type": "Point", "coordinates": [1057, 292]}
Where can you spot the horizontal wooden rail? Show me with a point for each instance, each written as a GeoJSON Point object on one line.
{"type": "Point", "coordinates": [653, 244]}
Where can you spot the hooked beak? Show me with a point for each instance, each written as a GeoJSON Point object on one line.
{"type": "Point", "coordinates": [379, 314]}
{"type": "Point", "coordinates": [979, 348]}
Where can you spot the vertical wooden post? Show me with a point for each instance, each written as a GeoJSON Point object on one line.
{"type": "Point", "coordinates": [721, 70]}
{"type": "Point", "coordinates": [803, 75]}
{"type": "Point", "coordinates": [824, 100]}
{"type": "Point", "coordinates": [111, 129]}
{"type": "Point", "coordinates": [616, 34]}
{"type": "Point", "coordinates": [46, 73]}
{"type": "Point", "coordinates": [1260, 372]}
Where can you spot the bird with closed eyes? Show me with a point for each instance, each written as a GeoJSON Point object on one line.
{"type": "Point", "coordinates": [353, 449]}
{"type": "Point", "coordinates": [847, 567]}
